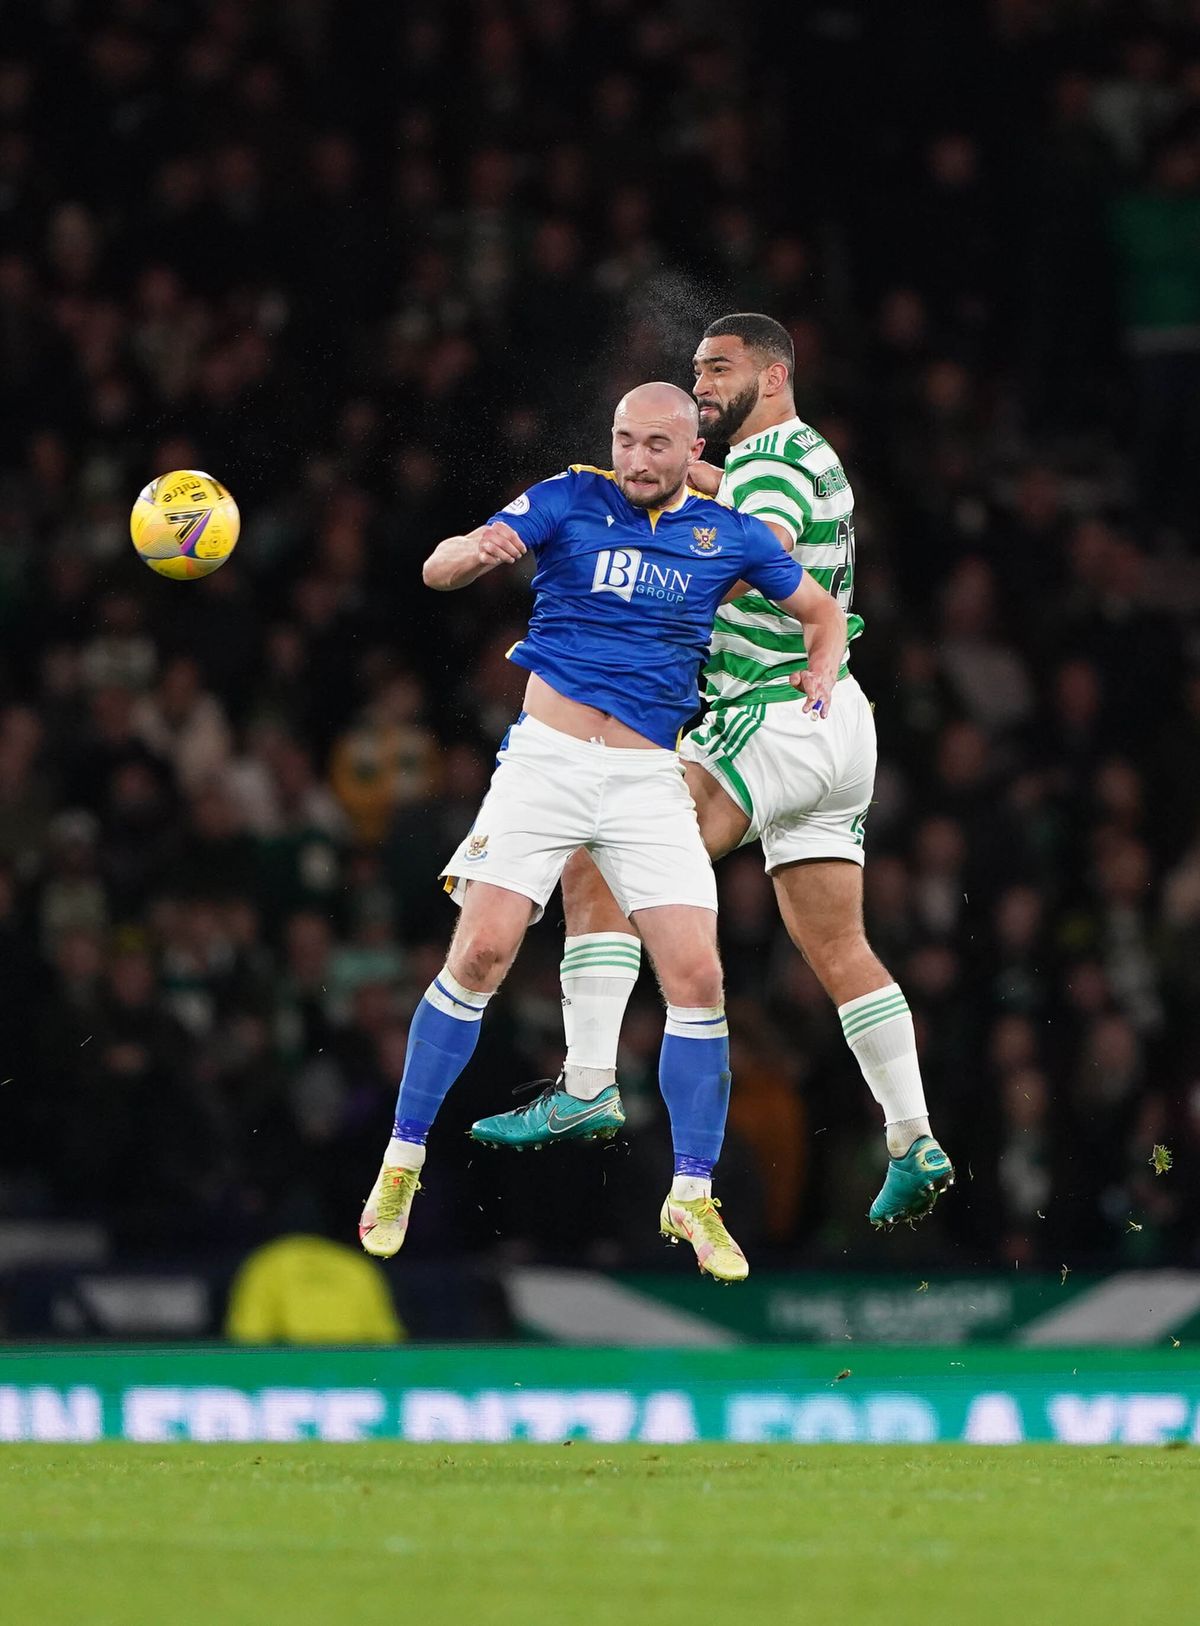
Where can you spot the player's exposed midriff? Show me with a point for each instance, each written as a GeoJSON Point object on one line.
{"type": "Point", "coordinates": [579, 721]}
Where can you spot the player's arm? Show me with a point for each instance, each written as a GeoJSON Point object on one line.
{"type": "Point", "coordinates": [824, 640]}
{"type": "Point", "coordinates": [705, 477]}
{"type": "Point", "coordinates": [461, 560]}
{"type": "Point", "coordinates": [786, 541]}
{"type": "Point", "coordinates": [530, 521]}
{"type": "Point", "coordinates": [770, 568]}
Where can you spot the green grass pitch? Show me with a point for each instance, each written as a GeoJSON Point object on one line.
{"type": "Point", "coordinates": [237, 1535]}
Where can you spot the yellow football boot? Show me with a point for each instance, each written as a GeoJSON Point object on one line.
{"type": "Point", "coordinates": [383, 1224]}
{"type": "Point", "coordinates": [699, 1223]}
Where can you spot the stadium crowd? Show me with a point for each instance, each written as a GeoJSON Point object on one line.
{"type": "Point", "coordinates": [379, 267]}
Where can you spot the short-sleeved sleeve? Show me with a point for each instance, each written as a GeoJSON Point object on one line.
{"type": "Point", "coordinates": [768, 566]}
{"type": "Point", "coordinates": [772, 490]}
{"type": "Point", "coordinates": [537, 513]}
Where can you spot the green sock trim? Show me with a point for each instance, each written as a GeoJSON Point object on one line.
{"type": "Point", "coordinates": [600, 959]}
{"type": "Point", "coordinates": [888, 997]}
{"type": "Point", "coordinates": [873, 1016]}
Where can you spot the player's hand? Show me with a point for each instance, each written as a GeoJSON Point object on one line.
{"type": "Point", "coordinates": [499, 544]}
{"type": "Point", "coordinates": [704, 477]}
{"type": "Point", "coordinates": [818, 689]}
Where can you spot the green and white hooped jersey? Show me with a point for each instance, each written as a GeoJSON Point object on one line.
{"type": "Point", "coordinates": [790, 476]}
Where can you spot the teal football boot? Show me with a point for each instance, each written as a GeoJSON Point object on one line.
{"type": "Point", "coordinates": [914, 1183]}
{"type": "Point", "coordinates": [553, 1116]}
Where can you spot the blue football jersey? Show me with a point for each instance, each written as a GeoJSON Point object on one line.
{"type": "Point", "coordinates": [625, 597]}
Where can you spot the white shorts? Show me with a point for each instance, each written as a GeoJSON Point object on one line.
{"type": "Point", "coordinates": [552, 794]}
{"type": "Point", "coordinates": [804, 783]}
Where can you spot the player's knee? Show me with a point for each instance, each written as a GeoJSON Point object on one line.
{"type": "Point", "coordinates": [834, 955]}
{"type": "Point", "coordinates": [695, 986]}
{"type": "Point", "coordinates": [479, 959]}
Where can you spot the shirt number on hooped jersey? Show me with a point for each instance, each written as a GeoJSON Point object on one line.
{"type": "Point", "coordinates": [841, 587]}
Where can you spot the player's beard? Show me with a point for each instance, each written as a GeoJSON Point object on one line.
{"type": "Point", "coordinates": [727, 424]}
{"type": "Point", "coordinates": [662, 493]}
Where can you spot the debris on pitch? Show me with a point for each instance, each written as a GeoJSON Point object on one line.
{"type": "Point", "coordinates": [1161, 1159]}
{"type": "Point", "coordinates": [1175, 1342]}
{"type": "Point", "coordinates": [923, 1288]}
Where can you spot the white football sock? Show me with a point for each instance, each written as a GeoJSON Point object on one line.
{"type": "Point", "coordinates": [404, 1154]}
{"type": "Point", "coordinates": [685, 1188]}
{"type": "Point", "coordinates": [879, 1029]}
{"type": "Point", "coordinates": [900, 1136]}
{"type": "Point", "coordinates": [598, 974]}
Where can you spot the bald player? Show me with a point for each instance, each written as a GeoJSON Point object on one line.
{"type": "Point", "coordinates": [631, 566]}
{"type": "Point", "coordinates": [760, 769]}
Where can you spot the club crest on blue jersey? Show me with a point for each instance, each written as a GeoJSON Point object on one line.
{"type": "Point", "coordinates": [625, 596]}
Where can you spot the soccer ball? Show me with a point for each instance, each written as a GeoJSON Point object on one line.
{"type": "Point", "coordinates": [185, 524]}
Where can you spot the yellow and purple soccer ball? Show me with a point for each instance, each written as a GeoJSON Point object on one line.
{"type": "Point", "coordinates": [185, 524]}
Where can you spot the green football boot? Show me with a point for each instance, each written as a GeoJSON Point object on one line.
{"type": "Point", "coordinates": [914, 1183]}
{"type": "Point", "coordinates": [553, 1116]}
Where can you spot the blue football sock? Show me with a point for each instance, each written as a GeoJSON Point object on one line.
{"type": "Point", "coordinates": [693, 1074]}
{"type": "Point", "coordinates": [441, 1041]}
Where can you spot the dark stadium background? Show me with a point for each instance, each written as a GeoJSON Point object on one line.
{"type": "Point", "coordinates": [378, 266]}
